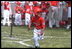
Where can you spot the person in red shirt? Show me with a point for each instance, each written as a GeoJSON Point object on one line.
{"type": "Point", "coordinates": [6, 12]}
{"type": "Point", "coordinates": [44, 9]}
{"type": "Point", "coordinates": [39, 26]}
{"type": "Point", "coordinates": [18, 11]}
{"type": "Point", "coordinates": [28, 12]}
{"type": "Point", "coordinates": [36, 8]}
{"type": "Point", "coordinates": [35, 2]}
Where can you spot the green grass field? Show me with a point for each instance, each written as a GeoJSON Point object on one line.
{"type": "Point", "coordinates": [22, 38]}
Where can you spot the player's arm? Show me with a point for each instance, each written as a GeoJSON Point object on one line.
{"type": "Point", "coordinates": [30, 23]}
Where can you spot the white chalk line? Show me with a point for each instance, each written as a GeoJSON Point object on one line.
{"type": "Point", "coordinates": [25, 40]}
{"type": "Point", "coordinates": [28, 45]}
{"type": "Point", "coordinates": [20, 42]}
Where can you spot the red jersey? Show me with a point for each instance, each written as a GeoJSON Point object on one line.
{"type": "Point", "coordinates": [18, 9]}
{"type": "Point", "coordinates": [45, 11]}
{"type": "Point", "coordinates": [6, 5]}
{"type": "Point", "coordinates": [18, 2]}
{"type": "Point", "coordinates": [39, 23]}
{"type": "Point", "coordinates": [54, 3]}
{"type": "Point", "coordinates": [69, 3]}
{"type": "Point", "coordinates": [35, 2]}
{"type": "Point", "coordinates": [36, 9]}
{"type": "Point", "coordinates": [28, 9]}
{"type": "Point", "coordinates": [43, 5]}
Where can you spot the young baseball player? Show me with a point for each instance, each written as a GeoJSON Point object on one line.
{"type": "Point", "coordinates": [44, 10]}
{"type": "Point", "coordinates": [18, 10]}
{"type": "Point", "coordinates": [6, 12]}
{"type": "Point", "coordinates": [27, 13]}
{"type": "Point", "coordinates": [39, 24]}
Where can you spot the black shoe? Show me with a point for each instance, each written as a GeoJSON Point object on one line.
{"type": "Point", "coordinates": [37, 47]}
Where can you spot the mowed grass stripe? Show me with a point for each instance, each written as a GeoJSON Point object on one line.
{"type": "Point", "coordinates": [57, 38]}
